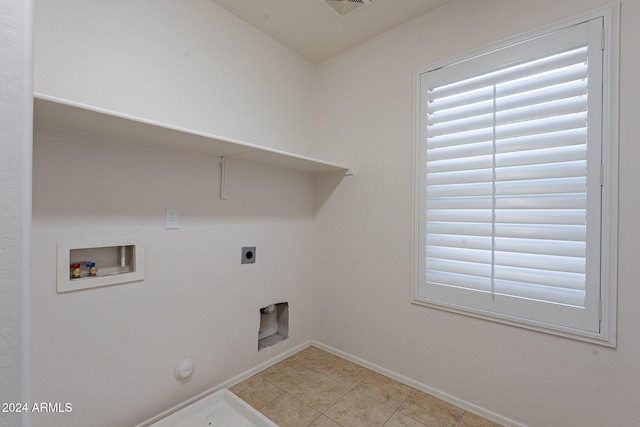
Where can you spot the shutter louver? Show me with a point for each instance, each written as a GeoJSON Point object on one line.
{"type": "Point", "coordinates": [515, 181]}
{"type": "Point", "coordinates": [506, 181]}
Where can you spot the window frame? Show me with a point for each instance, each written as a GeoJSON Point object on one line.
{"type": "Point", "coordinates": [608, 250]}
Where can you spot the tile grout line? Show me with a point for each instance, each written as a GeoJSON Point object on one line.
{"type": "Point", "coordinates": [316, 371]}
{"type": "Point", "coordinates": [341, 397]}
{"type": "Point", "coordinates": [312, 366]}
{"type": "Point", "coordinates": [305, 404]}
{"type": "Point", "coordinates": [270, 382]}
{"type": "Point", "coordinates": [353, 388]}
{"type": "Point", "coordinates": [461, 418]}
{"type": "Point", "coordinates": [410, 417]}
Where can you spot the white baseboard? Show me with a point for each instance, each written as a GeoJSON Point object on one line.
{"type": "Point", "coordinates": [467, 406]}
{"type": "Point", "coordinates": [229, 383]}
{"type": "Point", "coordinates": [261, 367]}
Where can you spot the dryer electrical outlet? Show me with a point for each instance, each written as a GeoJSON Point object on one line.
{"type": "Point", "coordinates": [248, 255]}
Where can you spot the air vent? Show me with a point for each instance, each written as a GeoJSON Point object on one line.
{"type": "Point", "coordinates": [344, 7]}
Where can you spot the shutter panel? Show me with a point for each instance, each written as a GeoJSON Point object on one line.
{"type": "Point", "coordinates": [506, 181]}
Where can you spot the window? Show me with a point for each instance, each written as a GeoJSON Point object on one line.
{"type": "Point", "coordinates": [516, 183]}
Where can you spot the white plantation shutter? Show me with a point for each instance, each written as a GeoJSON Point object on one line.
{"type": "Point", "coordinates": [510, 164]}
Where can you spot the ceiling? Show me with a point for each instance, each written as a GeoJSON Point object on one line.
{"type": "Point", "coordinates": [315, 31]}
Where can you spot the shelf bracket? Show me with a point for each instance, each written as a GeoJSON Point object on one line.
{"type": "Point", "coordinates": [223, 173]}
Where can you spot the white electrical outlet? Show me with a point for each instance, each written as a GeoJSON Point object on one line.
{"type": "Point", "coordinates": [171, 220]}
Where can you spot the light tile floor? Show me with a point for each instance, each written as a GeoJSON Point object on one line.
{"type": "Point", "coordinates": [315, 388]}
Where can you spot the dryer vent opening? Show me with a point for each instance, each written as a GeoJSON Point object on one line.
{"type": "Point", "coordinates": [274, 324]}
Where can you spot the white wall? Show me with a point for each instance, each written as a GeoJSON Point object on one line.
{"type": "Point", "coordinates": [111, 352]}
{"type": "Point", "coordinates": [362, 275]}
{"type": "Point", "coordinates": [191, 64]}
{"type": "Point", "coordinates": [15, 203]}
